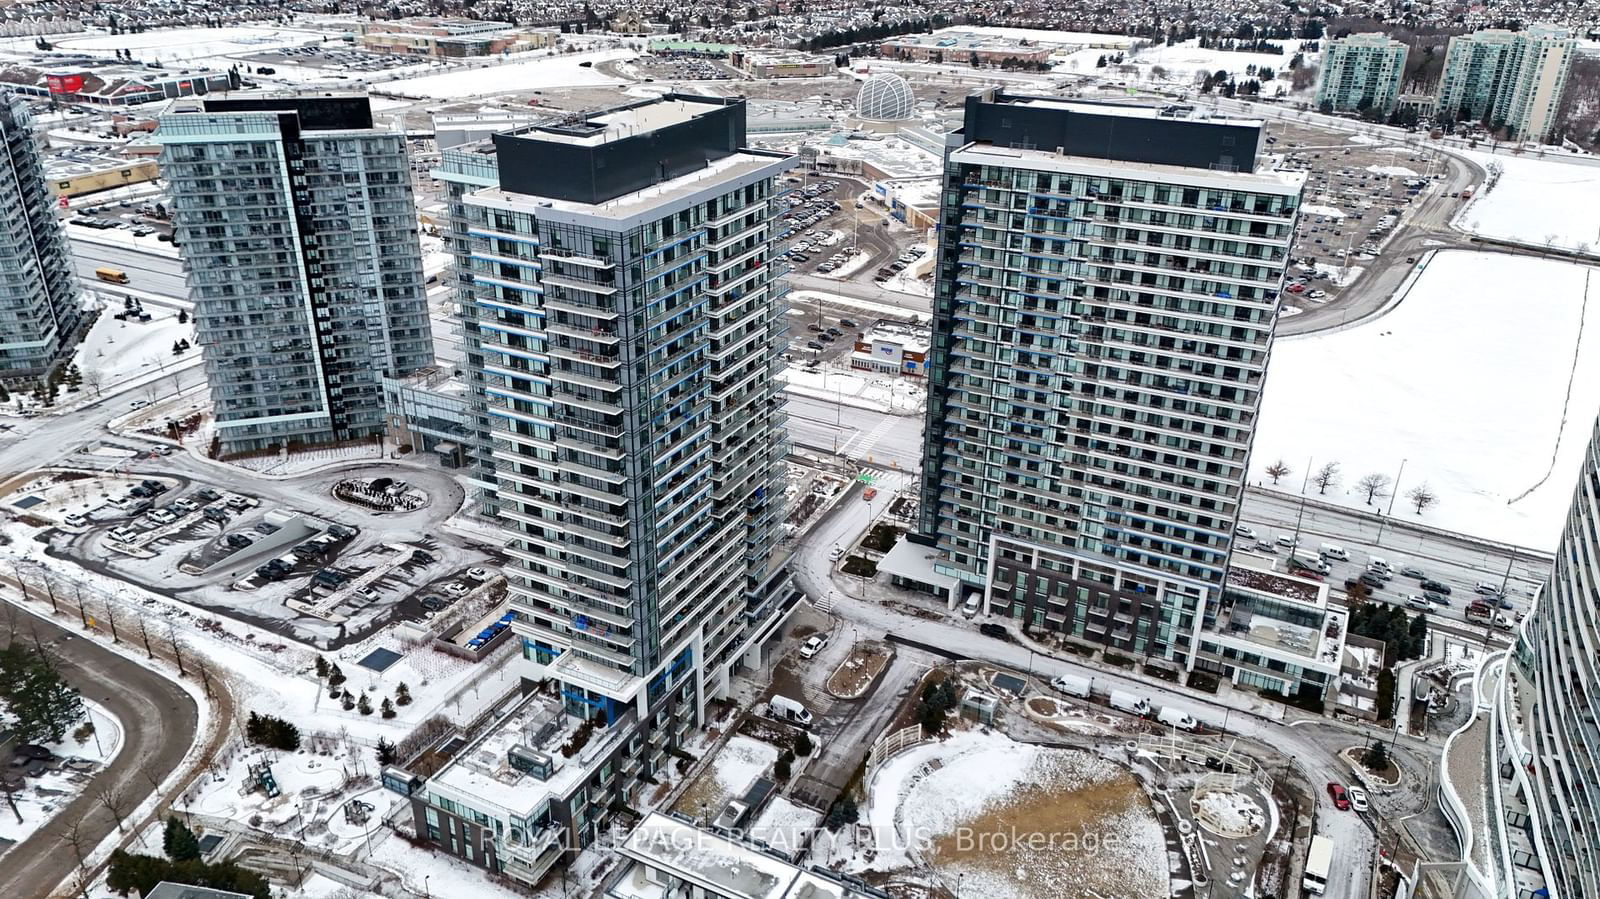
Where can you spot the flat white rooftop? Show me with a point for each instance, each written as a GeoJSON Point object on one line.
{"type": "Point", "coordinates": [621, 123]}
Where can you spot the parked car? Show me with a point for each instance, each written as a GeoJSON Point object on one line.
{"type": "Point", "coordinates": [479, 574]}
{"type": "Point", "coordinates": [836, 554]}
{"type": "Point", "coordinates": [1358, 798]}
{"type": "Point", "coordinates": [433, 603]}
{"type": "Point", "coordinates": [454, 589]}
{"type": "Point", "coordinates": [238, 540]}
{"type": "Point", "coordinates": [1341, 799]}
{"type": "Point", "coordinates": [1247, 533]}
{"type": "Point", "coordinates": [76, 520]}
{"type": "Point", "coordinates": [813, 645]}
{"type": "Point", "coordinates": [989, 629]}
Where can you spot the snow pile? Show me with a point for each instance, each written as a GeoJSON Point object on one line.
{"type": "Point", "coordinates": [1473, 399]}
{"type": "Point", "coordinates": [1393, 171]}
{"type": "Point", "coordinates": [1329, 211]}
{"type": "Point", "coordinates": [1340, 275]}
{"type": "Point", "coordinates": [1537, 201]}
{"type": "Point", "coordinates": [1229, 813]}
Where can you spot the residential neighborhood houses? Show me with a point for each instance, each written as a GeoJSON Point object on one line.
{"type": "Point", "coordinates": [806, 450]}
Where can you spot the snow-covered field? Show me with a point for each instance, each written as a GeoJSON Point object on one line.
{"type": "Point", "coordinates": [862, 389]}
{"type": "Point", "coordinates": [171, 44]}
{"type": "Point", "coordinates": [520, 75]}
{"type": "Point", "coordinates": [1537, 201]}
{"type": "Point", "coordinates": [1464, 382]}
{"type": "Point", "coordinates": [1016, 821]}
{"type": "Point", "coordinates": [1183, 63]}
{"type": "Point", "coordinates": [736, 766]}
{"type": "Point", "coordinates": [42, 797]}
{"type": "Point", "coordinates": [116, 351]}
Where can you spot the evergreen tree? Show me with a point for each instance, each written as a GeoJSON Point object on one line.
{"type": "Point", "coordinates": [386, 752]}
{"type": "Point", "coordinates": [322, 668]}
{"type": "Point", "coordinates": [179, 842]}
{"type": "Point", "coordinates": [402, 694]}
{"type": "Point", "coordinates": [803, 745]}
{"type": "Point", "coordinates": [335, 676]}
{"type": "Point", "coordinates": [784, 766]}
{"type": "Point", "coordinates": [44, 705]}
{"type": "Point", "coordinates": [387, 709]}
{"type": "Point", "coordinates": [843, 812]}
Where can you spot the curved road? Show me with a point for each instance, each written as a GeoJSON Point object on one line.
{"type": "Point", "coordinates": [159, 724]}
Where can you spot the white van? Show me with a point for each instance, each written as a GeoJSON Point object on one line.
{"type": "Point", "coordinates": [1486, 589]}
{"type": "Point", "coordinates": [1072, 685]}
{"type": "Point", "coordinates": [1173, 717]}
{"type": "Point", "coordinates": [1377, 564]}
{"type": "Point", "coordinates": [1334, 551]}
{"type": "Point", "coordinates": [1132, 703]}
{"type": "Point", "coordinates": [786, 709]}
{"type": "Point", "coordinates": [970, 607]}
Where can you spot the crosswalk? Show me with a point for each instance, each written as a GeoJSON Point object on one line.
{"type": "Point", "coordinates": [860, 444]}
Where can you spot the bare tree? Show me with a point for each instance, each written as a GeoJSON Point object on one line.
{"type": "Point", "coordinates": [144, 634]}
{"type": "Point", "coordinates": [114, 802]}
{"type": "Point", "coordinates": [177, 647]}
{"type": "Point", "coordinates": [1421, 496]}
{"type": "Point", "coordinates": [95, 380]}
{"type": "Point", "coordinates": [11, 798]}
{"type": "Point", "coordinates": [1278, 469]}
{"type": "Point", "coordinates": [1326, 476]}
{"type": "Point", "coordinates": [72, 834]}
{"type": "Point", "coordinates": [1373, 485]}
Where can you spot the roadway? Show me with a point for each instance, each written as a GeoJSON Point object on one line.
{"type": "Point", "coordinates": [159, 723]}
{"type": "Point", "coordinates": [895, 441]}
{"type": "Point", "coordinates": [148, 272]}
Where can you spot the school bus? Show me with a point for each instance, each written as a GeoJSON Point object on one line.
{"type": "Point", "coordinates": [114, 275]}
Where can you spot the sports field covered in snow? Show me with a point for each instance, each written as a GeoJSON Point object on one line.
{"type": "Point", "coordinates": [1549, 201]}
{"type": "Point", "coordinates": [523, 75]}
{"type": "Point", "coordinates": [1466, 381]}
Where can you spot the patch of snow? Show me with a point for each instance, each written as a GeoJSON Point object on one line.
{"type": "Point", "coordinates": [1328, 211]}
{"type": "Point", "coordinates": [1393, 171]}
{"type": "Point", "coordinates": [740, 761]}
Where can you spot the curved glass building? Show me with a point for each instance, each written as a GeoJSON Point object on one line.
{"type": "Point", "coordinates": [1520, 781]}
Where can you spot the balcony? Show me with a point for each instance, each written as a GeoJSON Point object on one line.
{"type": "Point", "coordinates": [552, 254]}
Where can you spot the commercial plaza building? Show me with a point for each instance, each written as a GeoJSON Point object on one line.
{"type": "Point", "coordinates": [299, 239]}
{"type": "Point", "coordinates": [1520, 781]}
{"type": "Point", "coordinates": [1510, 78]}
{"type": "Point", "coordinates": [623, 326]}
{"type": "Point", "coordinates": [1361, 72]}
{"type": "Point", "coordinates": [40, 311]}
{"type": "Point", "coordinates": [1107, 292]}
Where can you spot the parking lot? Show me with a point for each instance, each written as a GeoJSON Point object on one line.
{"type": "Point", "coordinates": [1358, 196]}
{"type": "Point", "coordinates": [682, 68]}
{"type": "Point", "coordinates": [329, 575]}
{"type": "Point", "coordinates": [329, 57]}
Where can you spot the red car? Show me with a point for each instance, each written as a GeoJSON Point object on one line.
{"type": "Point", "coordinates": [1340, 800]}
{"type": "Point", "coordinates": [1297, 288]}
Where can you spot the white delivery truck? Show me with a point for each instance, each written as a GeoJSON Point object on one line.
{"type": "Point", "coordinates": [1072, 685]}
{"type": "Point", "coordinates": [1132, 703]}
{"type": "Point", "coordinates": [1319, 858]}
{"type": "Point", "coordinates": [1175, 717]}
{"type": "Point", "coordinates": [786, 709]}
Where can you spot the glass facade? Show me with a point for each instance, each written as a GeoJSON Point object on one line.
{"type": "Point", "coordinates": [301, 252]}
{"type": "Point", "coordinates": [40, 310]}
{"type": "Point", "coordinates": [1101, 334]}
